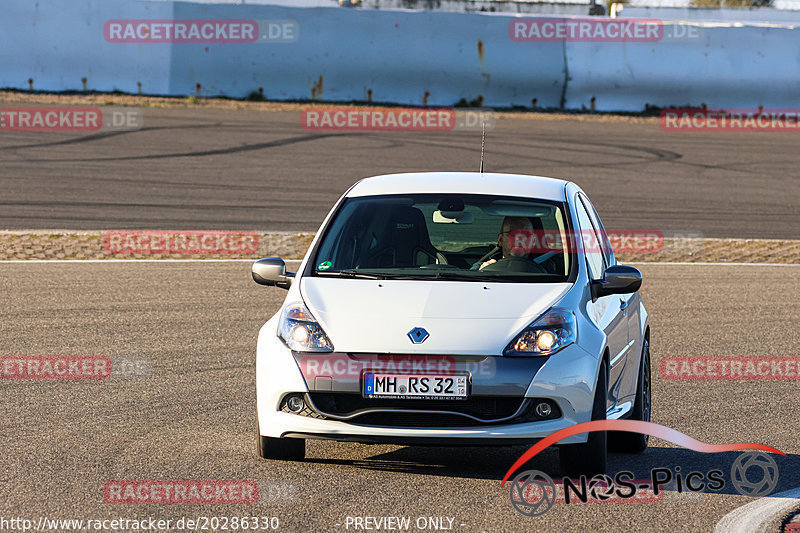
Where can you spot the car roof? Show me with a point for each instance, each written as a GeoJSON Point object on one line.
{"type": "Point", "coordinates": [462, 182]}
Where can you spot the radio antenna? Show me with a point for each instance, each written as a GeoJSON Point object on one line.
{"type": "Point", "coordinates": [483, 143]}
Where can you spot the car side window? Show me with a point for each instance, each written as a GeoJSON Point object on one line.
{"type": "Point", "coordinates": [605, 243]}
{"type": "Point", "coordinates": [588, 234]}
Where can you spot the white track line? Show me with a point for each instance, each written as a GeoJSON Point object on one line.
{"type": "Point", "coordinates": [19, 261]}
{"type": "Point", "coordinates": [712, 264]}
{"type": "Point", "coordinates": [755, 516]}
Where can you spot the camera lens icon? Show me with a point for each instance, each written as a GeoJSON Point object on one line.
{"type": "Point", "coordinates": [532, 493]}
{"type": "Point", "coordinates": [754, 474]}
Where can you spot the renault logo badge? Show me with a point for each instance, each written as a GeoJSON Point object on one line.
{"type": "Point", "coordinates": [418, 335]}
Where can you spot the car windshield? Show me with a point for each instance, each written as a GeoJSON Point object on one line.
{"type": "Point", "coordinates": [461, 237]}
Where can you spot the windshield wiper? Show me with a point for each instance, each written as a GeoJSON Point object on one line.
{"type": "Point", "coordinates": [449, 274]}
{"type": "Point", "coordinates": [446, 274]}
{"type": "Point", "coordinates": [357, 274]}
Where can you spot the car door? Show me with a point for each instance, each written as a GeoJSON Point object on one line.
{"type": "Point", "coordinates": [606, 311]}
{"type": "Point", "coordinates": [629, 305]}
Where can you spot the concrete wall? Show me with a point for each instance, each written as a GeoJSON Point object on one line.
{"type": "Point", "coordinates": [58, 42]}
{"type": "Point", "coordinates": [754, 15]}
{"type": "Point", "coordinates": [401, 56]}
{"type": "Point", "coordinates": [728, 67]}
{"type": "Point", "coordinates": [551, 7]}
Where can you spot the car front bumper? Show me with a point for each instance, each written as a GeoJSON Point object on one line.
{"type": "Point", "coordinates": [567, 379]}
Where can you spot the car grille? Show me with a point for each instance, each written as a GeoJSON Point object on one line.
{"type": "Point", "coordinates": [415, 420]}
{"type": "Point", "coordinates": [488, 409]}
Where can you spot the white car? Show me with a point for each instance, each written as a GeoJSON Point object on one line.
{"type": "Point", "coordinates": [455, 308]}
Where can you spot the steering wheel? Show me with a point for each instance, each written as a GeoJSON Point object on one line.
{"type": "Point", "coordinates": [488, 255]}
{"type": "Point", "coordinates": [516, 264]}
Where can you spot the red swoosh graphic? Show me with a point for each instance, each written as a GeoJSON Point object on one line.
{"type": "Point", "coordinates": [634, 426]}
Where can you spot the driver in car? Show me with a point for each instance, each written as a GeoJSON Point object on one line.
{"type": "Point", "coordinates": [513, 259]}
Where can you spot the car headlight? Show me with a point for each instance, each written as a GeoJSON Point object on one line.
{"type": "Point", "coordinates": [300, 331]}
{"type": "Point", "coordinates": [551, 332]}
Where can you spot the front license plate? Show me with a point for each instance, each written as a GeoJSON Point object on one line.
{"type": "Point", "coordinates": [420, 386]}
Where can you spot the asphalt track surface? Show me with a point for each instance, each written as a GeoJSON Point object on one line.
{"type": "Point", "coordinates": [260, 170]}
{"type": "Point", "coordinates": [194, 416]}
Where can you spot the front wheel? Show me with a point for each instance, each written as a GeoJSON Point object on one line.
{"type": "Point", "coordinates": [623, 441]}
{"type": "Point", "coordinates": [589, 459]}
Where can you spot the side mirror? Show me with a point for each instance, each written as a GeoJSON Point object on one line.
{"type": "Point", "coordinates": [619, 279]}
{"type": "Point", "coordinates": [272, 272]}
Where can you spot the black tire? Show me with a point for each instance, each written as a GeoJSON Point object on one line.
{"type": "Point", "coordinates": [623, 441]}
{"type": "Point", "coordinates": [589, 459]}
{"type": "Point", "coordinates": [284, 449]}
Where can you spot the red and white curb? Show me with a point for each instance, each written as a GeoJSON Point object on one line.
{"type": "Point", "coordinates": [756, 516]}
